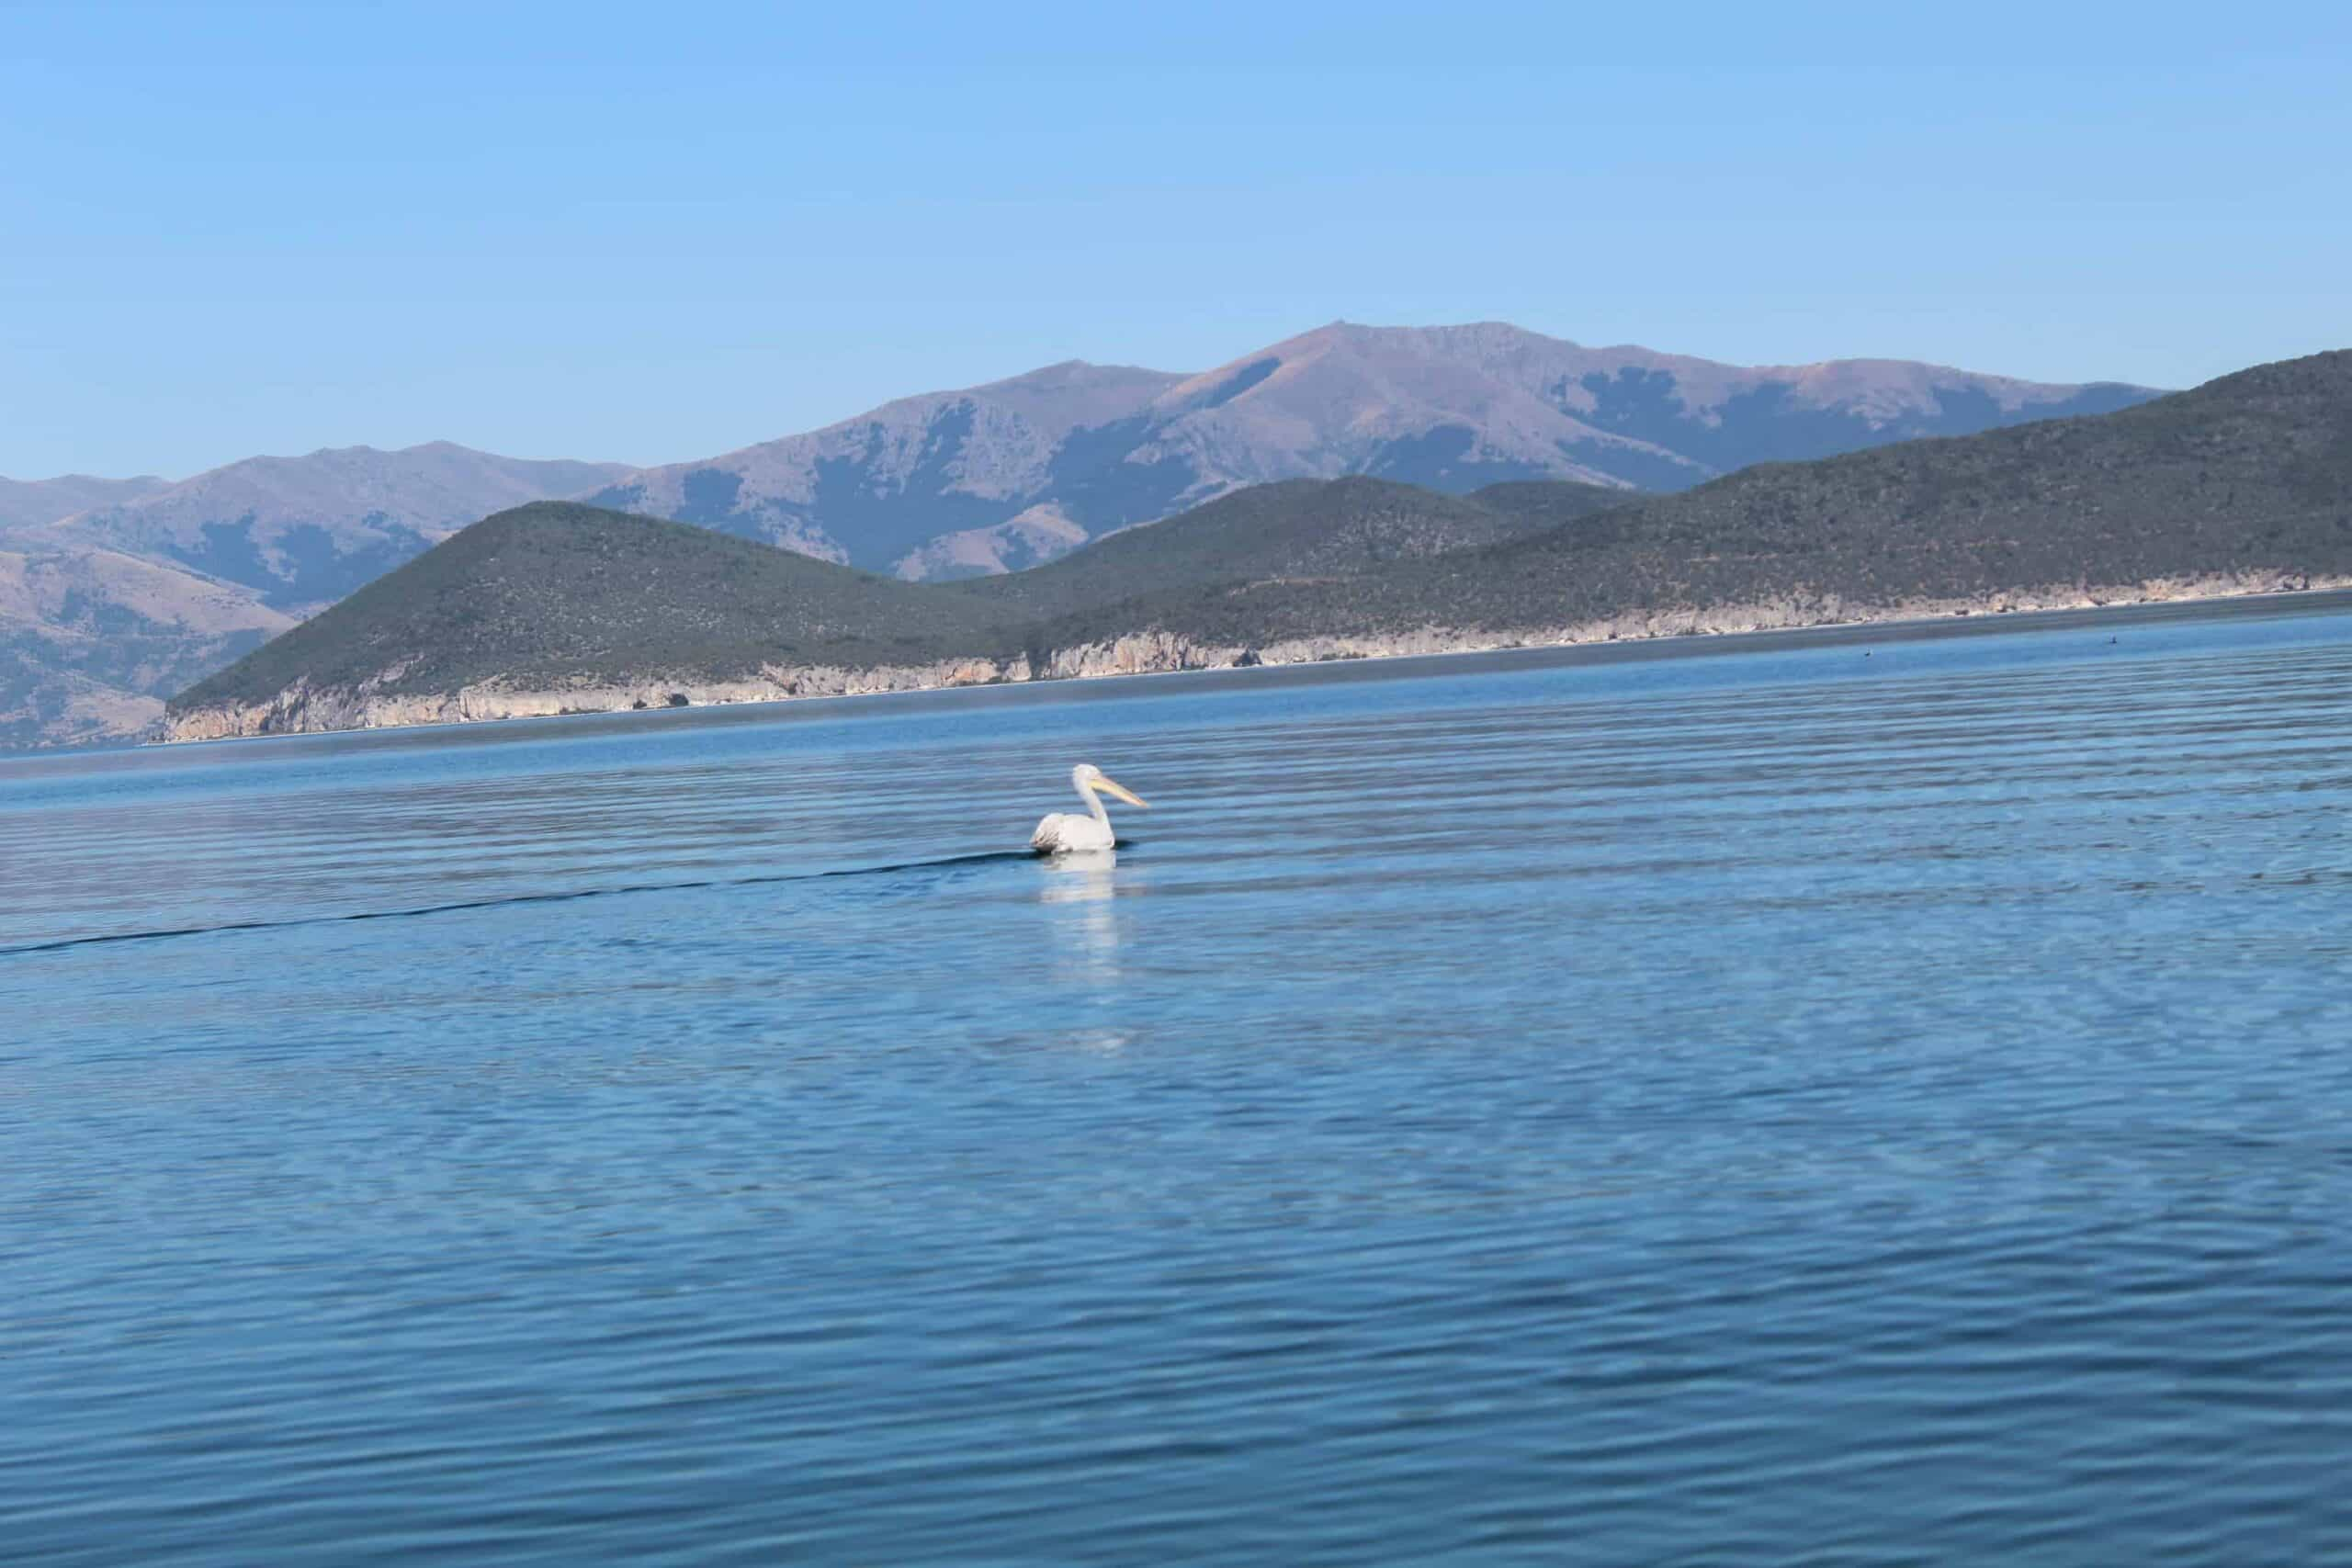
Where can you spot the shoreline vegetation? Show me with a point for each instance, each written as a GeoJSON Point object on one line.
{"type": "Point", "coordinates": [2242, 486]}
{"type": "Point", "coordinates": [302, 711]}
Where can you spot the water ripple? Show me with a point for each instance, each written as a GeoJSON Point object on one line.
{"type": "Point", "coordinates": [1674, 1104]}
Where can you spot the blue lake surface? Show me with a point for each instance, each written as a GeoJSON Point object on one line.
{"type": "Point", "coordinates": [1847, 1097]}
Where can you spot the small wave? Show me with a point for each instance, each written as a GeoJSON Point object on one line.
{"type": "Point", "coordinates": [944, 863]}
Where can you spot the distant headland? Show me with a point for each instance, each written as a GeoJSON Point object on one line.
{"type": "Point", "coordinates": [2241, 486]}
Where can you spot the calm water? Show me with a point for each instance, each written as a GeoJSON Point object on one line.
{"type": "Point", "coordinates": [1683, 1105]}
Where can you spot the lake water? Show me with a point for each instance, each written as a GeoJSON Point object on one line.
{"type": "Point", "coordinates": [1835, 1099]}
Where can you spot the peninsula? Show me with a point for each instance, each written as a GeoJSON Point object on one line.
{"type": "Point", "coordinates": [2243, 485]}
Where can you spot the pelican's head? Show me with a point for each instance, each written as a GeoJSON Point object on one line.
{"type": "Point", "coordinates": [1089, 778]}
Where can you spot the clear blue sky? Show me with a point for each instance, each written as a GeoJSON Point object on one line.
{"type": "Point", "coordinates": [651, 232]}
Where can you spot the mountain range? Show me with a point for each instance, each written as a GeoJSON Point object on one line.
{"type": "Point", "coordinates": [114, 593]}
{"type": "Point", "coordinates": [2241, 485]}
{"type": "Point", "coordinates": [29, 503]}
{"type": "Point", "coordinates": [996, 477]}
{"type": "Point", "coordinates": [949, 485]}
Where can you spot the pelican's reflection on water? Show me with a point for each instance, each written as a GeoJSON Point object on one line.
{"type": "Point", "coordinates": [1082, 891]}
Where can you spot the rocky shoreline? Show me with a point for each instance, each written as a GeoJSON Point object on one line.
{"type": "Point", "coordinates": [302, 709]}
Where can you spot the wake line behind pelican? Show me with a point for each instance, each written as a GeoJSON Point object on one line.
{"type": "Point", "coordinates": [944, 863]}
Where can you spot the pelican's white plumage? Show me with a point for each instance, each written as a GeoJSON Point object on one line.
{"type": "Point", "coordinates": [1066, 832]}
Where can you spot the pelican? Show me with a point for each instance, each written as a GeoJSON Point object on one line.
{"type": "Point", "coordinates": [1063, 832]}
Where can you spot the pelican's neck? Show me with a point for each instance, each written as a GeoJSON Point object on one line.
{"type": "Point", "coordinates": [1093, 803]}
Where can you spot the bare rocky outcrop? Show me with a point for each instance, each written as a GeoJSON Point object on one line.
{"type": "Point", "coordinates": [374, 705]}
{"type": "Point", "coordinates": [304, 709]}
{"type": "Point", "coordinates": [1037, 535]}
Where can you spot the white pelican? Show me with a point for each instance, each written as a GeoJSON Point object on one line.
{"type": "Point", "coordinates": [1063, 832]}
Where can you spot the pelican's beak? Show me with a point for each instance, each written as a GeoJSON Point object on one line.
{"type": "Point", "coordinates": [1113, 786]}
